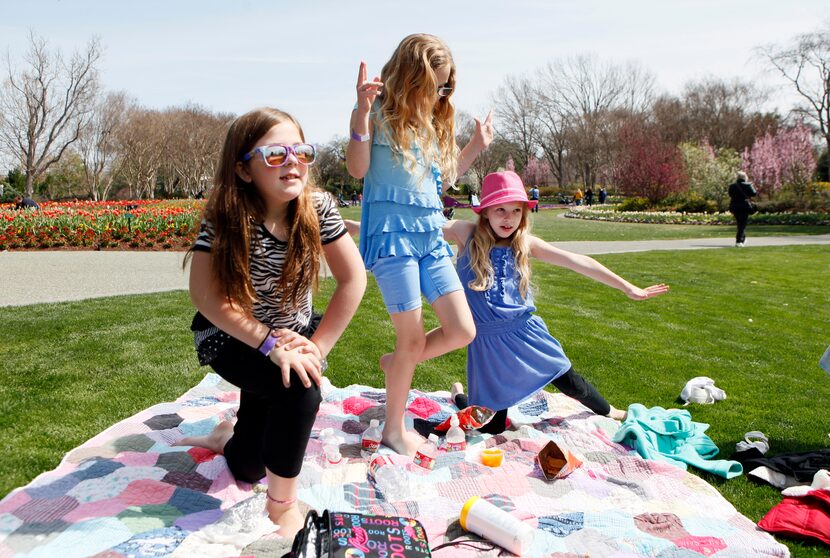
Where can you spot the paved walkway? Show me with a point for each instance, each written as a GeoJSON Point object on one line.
{"type": "Point", "coordinates": [37, 277]}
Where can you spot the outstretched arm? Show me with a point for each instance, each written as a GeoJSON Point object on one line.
{"type": "Point", "coordinates": [482, 137]}
{"type": "Point", "coordinates": [591, 268]}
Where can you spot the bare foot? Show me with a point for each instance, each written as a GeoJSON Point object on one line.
{"type": "Point", "coordinates": [289, 519]}
{"type": "Point", "coordinates": [215, 441]}
{"type": "Point", "coordinates": [404, 443]}
{"type": "Point", "coordinates": [617, 414]}
{"type": "Point", "coordinates": [456, 389]}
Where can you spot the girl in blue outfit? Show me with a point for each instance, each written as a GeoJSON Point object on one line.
{"type": "Point", "coordinates": [513, 354]}
{"type": "Point", "coordinates": [403, 146]}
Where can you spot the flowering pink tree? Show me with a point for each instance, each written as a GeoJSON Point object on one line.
{"type": "Point", "coordinates": [785, 159]}
{"type": "Point", "coordinates": [537, 172]}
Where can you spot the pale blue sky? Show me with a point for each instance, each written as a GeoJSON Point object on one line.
{"type": "Point", "coordinates": [302, 56]}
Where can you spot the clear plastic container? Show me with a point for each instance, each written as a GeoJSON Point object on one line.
{"type": "Point", "coordinates": [389, 475]}
{"type": "Point", "coordinates": [456, 438]}
{"type": "Point", "coordinates": [331, 446]}
{"type": "Point", "coordinates": [426, 454]}
{"type": "Point", "coordinates": [370, 442]}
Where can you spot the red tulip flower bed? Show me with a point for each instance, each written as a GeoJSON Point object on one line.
{"type": "Point", "coordinates": [88, 225]}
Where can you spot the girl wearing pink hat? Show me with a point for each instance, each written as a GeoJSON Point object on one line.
{"type": "Point", "coordinates": [513, 354]}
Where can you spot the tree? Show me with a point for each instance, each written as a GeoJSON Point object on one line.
{"type": "Point", "coordinates": [329, 169]}
{"type": "Point", "coordinates": [725, 113]}
{"type": "Point", "coordinates": [537, 172]}
{"type": "Point", "coordinates": [141, 148]}
{"type": "Point", "coordinates": [805, 63]}
{"type": "Point", "coordinates": [583, 103]}
{"type": "Point", "coordinates": [784, 159]}
{"type": "Point", "coordinates": [647, 166]}
{"type": "Point", "coordinates": [45, 105]}
{"type": "Point", "coordinates": [192, 144]}
{"type": "Point", "coordinates": [517, 115]}
{"type": "Point", "coordinates": [98, 145]}
{"type": "Point", "coordinates": [710, 172]}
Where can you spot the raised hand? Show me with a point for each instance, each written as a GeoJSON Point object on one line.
{"type": "Point", "coordinates": [642, 294]}
{"type": "Point", "coordinates": [485, 132]}
{"type": "Point", "coordinates": [367, 91]}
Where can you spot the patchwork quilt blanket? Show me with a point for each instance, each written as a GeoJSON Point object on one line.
{"type": "Point", "coordinates": [128, 493]}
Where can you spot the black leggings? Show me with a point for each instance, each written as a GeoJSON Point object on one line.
{"type": "Point", "coordinates": [570, 383]}
{"type": "Point", "coordinates": [273, 423]}
{"type": "Point", "coordinates": [741, 218]}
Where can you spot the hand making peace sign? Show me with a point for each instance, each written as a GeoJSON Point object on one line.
{"type": "Point", "coordinates": [483, 136]}
{"type": "Point", "coordinates": [367, 91]}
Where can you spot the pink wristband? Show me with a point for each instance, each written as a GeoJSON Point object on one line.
{"type": "Point", "coordinates": [268, 343]}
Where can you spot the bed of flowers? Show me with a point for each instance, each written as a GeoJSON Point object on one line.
{"type": "Point", "coordinates": [89, 225]}
{"type": "Point", "coordinates": [678, 218]}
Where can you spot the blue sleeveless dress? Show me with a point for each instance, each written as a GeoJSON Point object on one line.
{"type": "Point", "coordinates": [513, 355]}
{"type": "Point", "coordinates": [401, 214]}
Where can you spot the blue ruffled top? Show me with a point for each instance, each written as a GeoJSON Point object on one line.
{"type": "Point", "coordinates": [401, 214]}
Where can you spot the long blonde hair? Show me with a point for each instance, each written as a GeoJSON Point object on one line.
{"type": "Point", "coordinates": [483, 241]}
{"type": "Point", "coordinates": [410, 108]}
{"type": "Point", "coordinates": [235, 208]}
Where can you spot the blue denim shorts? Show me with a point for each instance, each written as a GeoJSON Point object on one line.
{"type": "Point", "coordinates": [402, 280]}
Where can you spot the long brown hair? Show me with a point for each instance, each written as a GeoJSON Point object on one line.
{"type": "Point", "coordinates": [409, 107]}
{"type": "Point", "coordinates": [235, 208]}
{"type": "Point", "coordinates": [483, 241]}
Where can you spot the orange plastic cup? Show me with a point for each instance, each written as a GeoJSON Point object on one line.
{"type": "Point", "coordinates": [492, 457]}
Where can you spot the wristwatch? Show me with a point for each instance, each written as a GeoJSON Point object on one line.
{"type": "Point", "coordinates": [361, 137]}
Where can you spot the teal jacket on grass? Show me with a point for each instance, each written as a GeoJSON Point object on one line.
{"type": "Point", "coordinates": [670, 435]}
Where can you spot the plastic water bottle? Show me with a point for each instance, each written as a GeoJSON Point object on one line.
{"type": "Point", "coordinates": [390, 477]}
{"type": "Point", "coordinates": [456, 438]}
{"type": "Point", "coordinates": [371, 439]}
{"type": "Point", "coordinates": [484, 519]}
{"type": "Point", "coordinates": [331, 446]}
{"type": "Point", "coordinates": [425, 456]}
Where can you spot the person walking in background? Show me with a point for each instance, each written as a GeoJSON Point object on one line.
{"type": "Point", "coordinates": [578, 195]}
{"type": "Point", "coordinates": [602, 195]}
{"type": "Point", "coordinates": [589, 196]}
{"type": "Point", "coordinates": [534, 196]}
{"type": "Point", "coordinates": [513, 354]}
{"type": "Point", "coordinates": [403, 146]}
{"type": "Point", "coordinates": [253, 268]}
{"type": "Point", "coordinates": [741, 206]}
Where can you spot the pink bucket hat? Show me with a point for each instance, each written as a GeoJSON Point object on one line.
{"type": "Point", "coordinates": [503, 187]}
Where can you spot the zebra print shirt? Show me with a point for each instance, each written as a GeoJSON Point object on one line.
{"type": "Point", "coordinates": [267, 261]}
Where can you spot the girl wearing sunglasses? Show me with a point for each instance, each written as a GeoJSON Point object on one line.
{"type": "Point", "coordinates": [403, 146]}
{"type": "Point", "coordinates": [253, 267]}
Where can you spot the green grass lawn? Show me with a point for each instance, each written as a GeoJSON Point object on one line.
{"type": "Point", "coordinates": [550, 225]}
{"type": "Point", "coordinates": [69, 370]}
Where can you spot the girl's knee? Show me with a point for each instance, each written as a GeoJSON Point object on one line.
{"type": "Point", "coordinates": [411, 344]}
{"type": "Point", "coordinates": [462, 335]}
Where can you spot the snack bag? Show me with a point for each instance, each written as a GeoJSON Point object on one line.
{"type": "Point", "coordinates": [557, 462]}
{"type": "Point", "coordinates": [469, 418]}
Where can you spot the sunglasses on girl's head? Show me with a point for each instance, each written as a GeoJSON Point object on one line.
{"type": "Point", "coordinates": [444, 91]}
{"type": "Point", "coordinates": [276, 154]}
